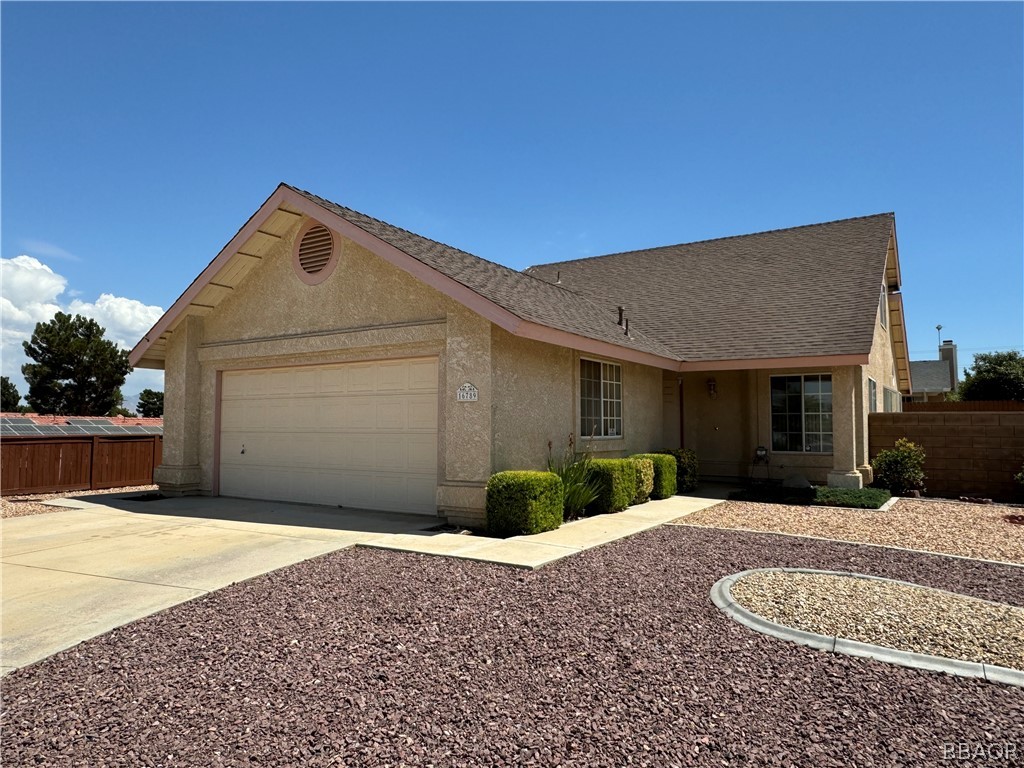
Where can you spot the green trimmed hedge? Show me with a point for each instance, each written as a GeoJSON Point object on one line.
{"type": "Point", "coordinates": [822, 496]}
{"type": "Point", "coordinates": [644, 479]}
{"type": "Point", "coordinates": [687, 468]}
{"type": "Point", "coordinates": [664, 474]}
{"type": "Point", "coordinates": [615, 480]}
{"type": "Point", "coordinates": [521, 503]}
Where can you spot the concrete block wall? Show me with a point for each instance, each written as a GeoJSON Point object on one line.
{"type": "Point", "coordinates": [974, 453]}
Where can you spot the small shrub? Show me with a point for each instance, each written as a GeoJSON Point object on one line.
{"type": "Point", "coordinates": [521, 503]}
{"type": "Point", "coordinates": [644, 479]}
{"type": "Point", "coordinates": [687, 468]}
{"type": "Point", "coordinates": [900, 469]}
{"type": "Point", "coordinates": [664, 474]}
{"type": "Point", "coordinates": [615, 480]}
{"type": "Point", "coordinates": [856, 498]}
{"type": "Point", "coordinates": [578, 487]}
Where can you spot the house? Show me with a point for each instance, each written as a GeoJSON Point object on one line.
{"type": "Point", "coordinates": [934, 379]}
{"type": "Point", "coordinates": [327, 357]}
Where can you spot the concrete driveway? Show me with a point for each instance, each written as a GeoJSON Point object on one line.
{"type": "Point", "coordinates": [106, 561]}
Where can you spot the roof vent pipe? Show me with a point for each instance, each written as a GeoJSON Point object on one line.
{"type": "Point", "coordinates": [558, 277]}
{"type": "Point", "coordinates": [621, 310]}
{"type": "Point", "coordinates": [627, 326]}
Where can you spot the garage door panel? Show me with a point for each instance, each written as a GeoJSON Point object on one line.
{"type": "Point", "coordinates": [362, 377]}
{"type": "Point", "coordinates": [390, 413]}
{"type": "Point", "coordinates": [278, 415]}
{"type": "Point", "coordinates": [393, 377]}
{"type": "Point", "coordinates": [423, 412]}
{"type": "Point", "coordinates": [332, 380]}
{"type": "Point", "coordinates": [356, 435]}
{"type": "Point", "coordinates": [421, 453]}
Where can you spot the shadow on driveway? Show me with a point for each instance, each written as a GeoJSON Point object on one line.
{"type": "Point", "coordinates": [267, 512]}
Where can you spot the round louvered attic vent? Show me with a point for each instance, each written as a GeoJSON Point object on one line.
{"type": "Point", "coordinates": [314, 253]}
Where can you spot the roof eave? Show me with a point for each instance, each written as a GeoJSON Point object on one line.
{"type": "Point", "coordinates": [398, 258]}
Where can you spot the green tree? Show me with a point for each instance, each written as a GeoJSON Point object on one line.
{"type": "Point", "coordinates": [995, 376]}
{"type": "Point", "coordinates": [77, 372]}
{"type": "Point", "coordinates": [9, 395]}
{"type": "Point", "coordinates": [151, 403]}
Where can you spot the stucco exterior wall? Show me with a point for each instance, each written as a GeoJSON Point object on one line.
{"type": "Point", "coordinates": [366, 310]}
{"type": "Point", "coordinates": [726, 430]}
{"type": "Point", "coordinates": [882, 368]}
{"type": "Point", "coordinates": [536, 386]}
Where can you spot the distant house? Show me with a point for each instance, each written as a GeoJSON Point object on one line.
{"type": "Point", "coordinates": [328, 357]}
{"type": "Point", "coordinates": [934, 379]}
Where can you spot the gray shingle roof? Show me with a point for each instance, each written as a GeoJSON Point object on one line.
{"type": "Point", "coordinates": [806, 291]}
{"type": "Point", "coordinates": [931, 375]}
{"type": "Point", "coordinates": [523, 295]}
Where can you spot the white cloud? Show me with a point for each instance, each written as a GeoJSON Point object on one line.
{"type": "Point", "coordinates": [30, 293]}
{"type": "Point", "coordinates": [126, 320]}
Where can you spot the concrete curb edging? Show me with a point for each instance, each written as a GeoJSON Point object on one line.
{"type": "Point", "coordinates": [721, 596]}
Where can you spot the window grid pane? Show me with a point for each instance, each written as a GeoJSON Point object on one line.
{"type": "Point", "coordinates": [802, 413]}
{"type": "Point", "coordinates": [600, 399]}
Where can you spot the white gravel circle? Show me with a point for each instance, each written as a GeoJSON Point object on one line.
{"type": "Point", "coordinates": [893, 621]}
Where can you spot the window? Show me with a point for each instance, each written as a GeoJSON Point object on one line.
{"type": "Point", "coordinates": [883, 309]}
{"type": "Point", "coordinates": [872, 396]}
{"type": "Point", "coordinates": [891, 400]}
{"type": "Point", "coordinates": [802, 413]}
{"type": "Point", "coordinates": [600, 399]}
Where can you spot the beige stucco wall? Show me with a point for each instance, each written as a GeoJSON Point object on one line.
{"type": "Point", "coordinates": [881, 368]}
{"type": "Point", "coordinates": [726, 430]}
{"type": "Point", "coordinates": [367, 309]}
{"type": "Point", "coordinates": [537, 386]}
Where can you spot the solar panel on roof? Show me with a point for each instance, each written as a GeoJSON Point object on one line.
{"type": "Point", "coordinates": [25, 429]}
{"type": "Point", "coordinates": [50, 429]}
{"type": "Point", "coordinates": [135, 430]}
{"type": "Point", "coordinates": [17, 420]}
{"type": "Point", "coordinates": [74, 429]}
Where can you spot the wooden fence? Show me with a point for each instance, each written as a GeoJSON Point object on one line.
{"type": "Point", "coordinates": [50, 465]}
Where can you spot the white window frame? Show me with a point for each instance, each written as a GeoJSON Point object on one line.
{"type": "Point", "coordinates": [608, 406]}
{"type": "Point", "coordinates": [872, 395]}
{"type": "Point", "coordinates": [883, 309]}
{"type": "Point", "coordinates": [890, 395]}
{"type": "Point", "coordinates": [803, 415]}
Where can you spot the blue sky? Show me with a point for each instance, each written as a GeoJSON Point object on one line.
{"type": "Point", "coordinates": [137, 138]}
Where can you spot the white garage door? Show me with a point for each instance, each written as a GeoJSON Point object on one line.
{"type": "Point", "coordinates": [356, 435]}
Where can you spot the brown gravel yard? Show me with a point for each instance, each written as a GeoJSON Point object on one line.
{"type": "Point", "coordinates": [955, 528]}
{"type": "Point", "coordinates": [613, 657]}
{"type": "Point", "coordinates": [20, 506]}
{"type": "Point", "coordinates": [913, 619]}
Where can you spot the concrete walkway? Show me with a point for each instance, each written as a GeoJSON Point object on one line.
{"type": "Point", "coordinates": [105, 561]}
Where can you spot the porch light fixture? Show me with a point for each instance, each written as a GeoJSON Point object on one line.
{"type": "Point", "coordinates": [712, 388]}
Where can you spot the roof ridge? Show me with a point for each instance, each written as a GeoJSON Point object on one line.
{"type": "Point", "coordinates": [713, 240]}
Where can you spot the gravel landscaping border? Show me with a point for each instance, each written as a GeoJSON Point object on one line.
{"type": "Point", "coordinates": [613, 657]}
{"type": "Point", "coordinates": [724, 600]}
{"type": "Point", "coordinates": [977, 531]}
